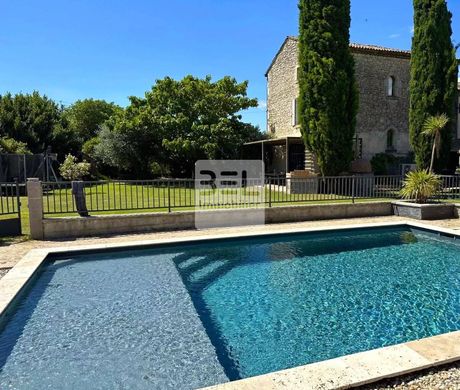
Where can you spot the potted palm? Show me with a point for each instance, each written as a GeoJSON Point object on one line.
{"type": "Point", "coordinates": [421, 187]}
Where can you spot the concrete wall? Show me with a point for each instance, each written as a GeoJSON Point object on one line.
{"type": "Point", "coordinates": [378, 112]}
{"type": "Point", "coordinates": [54, 228]}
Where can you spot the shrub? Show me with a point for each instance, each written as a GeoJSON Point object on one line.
{"type": "Point", "coordinates": [70, 169]}
{"type": "Point", "coordinates": [420, 186]}
{"type": "Point", "coordinates": [159, 170]}
{"type": "Point", "coordinates": [10, 145]}
{"type": "Point", "coordinates": [382, 162]}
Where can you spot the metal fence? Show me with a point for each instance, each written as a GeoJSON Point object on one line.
{"type": "Point", "coordinates": [10, 209]}
{"type": "Point", "coordinates": [171, 194]}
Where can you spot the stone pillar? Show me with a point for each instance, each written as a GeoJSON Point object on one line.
{"type": "Point", "coordinates": [35, 198]}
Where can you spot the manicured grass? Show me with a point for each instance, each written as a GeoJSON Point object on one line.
{"type": "Point", "coordinates": [119, 198]}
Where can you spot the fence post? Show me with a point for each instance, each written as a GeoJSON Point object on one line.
{"type": "Point", "coordinates": [18, 202]}
{"type": "Point", "coordinates": [78, 192]}
{"type": "Point", "coordinates": [269, 193]}
{"type": "Point", "coordinates": [169, 196]}
{"type": "Point", "coordinates": [353, 189]}
{"type": "Point", "coordinates": [35, 198]}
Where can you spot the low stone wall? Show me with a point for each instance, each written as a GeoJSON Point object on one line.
{"type": "Point", "coordinates": [457, 211]}
{"type": "Point", "coordinates": [53, 228]}
{"type": "Point", "coordinates": [327, 211]}
{"type": "Point", "coordinates": [436, 211]}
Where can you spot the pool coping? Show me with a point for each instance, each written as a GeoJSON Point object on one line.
{"type": "Point", "coordinates": [339, 373]}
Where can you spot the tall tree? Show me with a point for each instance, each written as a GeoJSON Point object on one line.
{"type": "Point", "coordinates": [80, 123]}
{"type": "Point", "coordinates": [29, 118]}
{"type": "Point", "coordinates": [433, 84]}
{"type": "Point", "coordinates": [177, 123]}
{"type": "Point", "coordinates": [328, 98]}
{"type": "Point", "coordinates": [86, 116]}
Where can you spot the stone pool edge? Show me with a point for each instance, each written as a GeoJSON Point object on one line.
{"type": "Point", "coordinates": [339, 373]}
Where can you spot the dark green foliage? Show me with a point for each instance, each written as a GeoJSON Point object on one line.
{"type": "Point", "coordinates": [11, 146]}
{"type": "Point", "coordinates": [29, 118]}
{"type": "Point", "coordinates": [328, 94]}
{"type": "Point", "coordinates": [433, 83]}
{"type": "Point", "coordinates": [81, 122]}
{"type": "Point", "coordinates": [382, 163]}
{"type": "Point", "coordinates": [85, 117]}
{"type": "Point", "coordinates": [176, 124]}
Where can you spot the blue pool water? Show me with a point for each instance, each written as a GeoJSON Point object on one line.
{"type": "Point", "coordinates": [192, 316]}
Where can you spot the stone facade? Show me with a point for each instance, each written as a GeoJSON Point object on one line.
{"type": "Point", "coordinates": [382, 120]}
{"type": "Point", "coordinates": [282, 89]}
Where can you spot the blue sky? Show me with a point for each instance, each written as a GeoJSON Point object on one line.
{"type": "Point", "coordinates": [113, 49]}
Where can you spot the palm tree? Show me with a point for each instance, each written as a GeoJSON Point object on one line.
{"type": "Point", "coordinates": [433, 127]}
{"type": "Point", "coordinates": [420, 185]}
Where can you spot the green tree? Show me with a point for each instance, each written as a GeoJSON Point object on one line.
{"type": "Point", "coordinates": [433, 127]}
{"type": "Point", "coordinates": [84, 117]}
{"type": "Point", "coordinates": [433, 84]}
{"type": "Point", "coordinates": [29, 118]}
{"type": "Point", "coordinates": [79, 123]}
{"type": "Point", "coordinates": [328, 98]}
{"type": "Point", "coordinates": [177, 123]}
{"type": "Point", "coordinates": [11, 146]}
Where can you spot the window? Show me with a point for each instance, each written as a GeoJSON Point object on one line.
{"type": "Point", "coordinates": [391, 86]}
{"type": "Point", "coordinates": [390, 140]}
{"type": "Point", "coordinates": [295, 112]}
{"type": "Point", "coordinates": [272, 128]}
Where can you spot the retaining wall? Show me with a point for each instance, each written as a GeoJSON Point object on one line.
{"type": "Point", "coordinates": [53, 228]}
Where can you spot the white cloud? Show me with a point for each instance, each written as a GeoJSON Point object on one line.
{"type": "Point", "coordinates": [412, 29]}
{"type": "Point", "coordinates": [394, 36]}
{"type": "Point", "coordinates": [262, 104]}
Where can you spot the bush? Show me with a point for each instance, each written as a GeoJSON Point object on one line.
{"type": "Point", "coordinates": [159, 170]}
{"type": "Point", "coordinates": [420, 186]}
{"type": "Point", "coordinates": [381, 163]}
{"type": "Point", "coordinates": [10, 145]}
{"type": "Point", "coordinates": [70, 169]}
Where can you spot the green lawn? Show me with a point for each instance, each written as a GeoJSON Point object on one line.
{"type": "Point", "coordinates": [107, 197]}
{"type": "Point", "coordinates": [116, 198]}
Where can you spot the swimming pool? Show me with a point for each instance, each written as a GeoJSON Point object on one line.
{"type": "Point", "coordinates": [187, 316]}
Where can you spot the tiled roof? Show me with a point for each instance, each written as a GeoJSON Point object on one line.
{"type": "Point", "coordinates": [380, 49]}
{"type": "Point", "coordinates": [360, 48]}
{"type": "Point", "coordinates": [373, 49]}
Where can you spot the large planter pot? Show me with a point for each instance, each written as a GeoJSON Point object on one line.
{"type": "Point", "coordinates": [427, 211]}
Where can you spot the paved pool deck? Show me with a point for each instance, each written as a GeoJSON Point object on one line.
{"type": "Point", "coordinates": [11, 254]}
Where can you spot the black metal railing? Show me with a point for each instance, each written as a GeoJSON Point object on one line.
{"type": "Point", "coordinates": [171, 194]}
{"type": "Point", "coordinates": [10, 198]}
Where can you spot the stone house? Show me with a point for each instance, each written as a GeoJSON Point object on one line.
{"type": "Point", "coordinates": [382, 75]}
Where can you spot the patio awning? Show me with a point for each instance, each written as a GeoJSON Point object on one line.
{"type": "Point", "coordinates": [277, 141]}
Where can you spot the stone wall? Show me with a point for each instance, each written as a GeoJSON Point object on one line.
{"type": "Point", "coordinates": [56, 228]}
{"type": "Point", "coordinates": [378, 112]}
{"type": "Point", "coordinates": [282, 89]}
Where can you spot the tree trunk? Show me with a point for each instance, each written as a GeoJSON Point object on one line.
{"type": "Point", "coordinates": [432, 157]}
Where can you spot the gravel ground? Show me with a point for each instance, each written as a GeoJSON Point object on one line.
{"type": "Point", "coordinates": [440, 378]}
